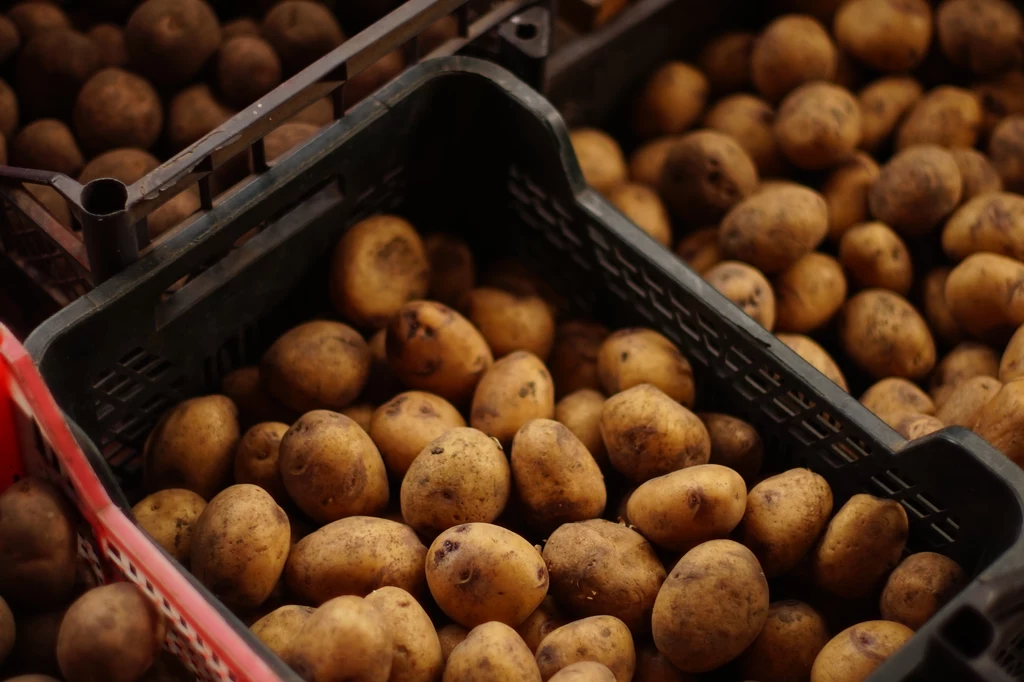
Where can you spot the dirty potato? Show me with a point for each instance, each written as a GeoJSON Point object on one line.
{"type": "Point", "coordinates": [968, 359]}
{"type": "Point", "coordinates": [514, 390]}
{"type": "Point", "coordinates": [417, 651]}
{"type": "Point", "coordinates": [916, 189]}
{"type": "Point", "coordinates": [644, 207]}
{"type": "Point", "coordinates": [977, 173]}
{"type": "Point", "coordinates": [634, 356]}
{"type": "Point", "coordinates": [278, 628]}
{"type": "Point", "coordinates": [580, 411]}
{"type": "Point", "coordinates": [936, 311]}
{"type": "Point", "coordinates": [790, 51]}
{"type": "Point", "coordinates": [876, 257]}
{"type": "Point", "coordinates": [984, 296]}
{"type": "Point", "coordinates": [257, 461]}
{"type": "Point", "coordinates": [700, 249]}
{"type": "Point", "coordinates": [510, 322]}
{"type": "Point", "coordinates": [856, 652]}
{"type": "Point", "coordinates": [773, 229]}
{"type": "Point", "coordinates": [919, 587]}
{"type": "Point", "coordinates": [544, 619]}
{"type": "Point", "coordinates": [1004, 149]}
{"type": "Point", "coordinates": [403, 426]}
{"type": "Point", "coordinates": [846, 193]}
{"type": "Point", "coordinates": [750, 122]}
{"type": "Point", "coordinates": [573, 360]}
{"type": "Point", "coordinates": [169, 516]}
{"type": "Point", "coordinates": [346, 638]}
{"type": "Point", "coordinates": [883, 104]}
{"type": "Point", "coordinates": [982, 37]}
{"type": "Point", "coordinates": [886, 336]}
{"type": "Point", "coordinates": [451, 636]}
{"type": "Point", "coordinates": [671, 101]}
{"type": "Point", "coordinates": [584, 671]}
{"type": "Point", "coordinates": [886, 36]}
{"type": "Point", "coordinates": [893, 396]}
{"type": "Point", "coordinates": [601, 639]}
{"type": "Point", "coordinates": [965, 401]}
{"type": "Point", "coordinates": [476, 652]}
{"type": "Point", "coordinates": [809, 293]}
{"type": "Point", "coordinates": [818, 125]}
{"type": "Point", "coordinates": [992, 222]}
{"type": "Point", "coordinates": [790, 640]}
{"type": "Point", "coordinates": [734, 444]}
{"type": "Point", "coordinates": [725, 61]}
{"type": "Point", "coordinates": [747, 287]}
{"type": "Point", "coordinates": [1000, 421]}
{"type": "Point", "coordinates": [809, 349]}
{"type": "Point", "coordinates": [600, 158]}
{"type": "Point", "coordinates": [1011, 365]}
{"type": "Point", "coordinates": [946, 116]}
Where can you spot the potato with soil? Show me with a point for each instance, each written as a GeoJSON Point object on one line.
{"type": "Point", "coordinates": [818, 126]}
{"type": "Point", "coordinates": [982, 37]}
{"type": "Point", "coordinates": [573, 360]}
{"type": "Point", "coordinates": [965, 361]}
{"type": "Point", "coordinates": [654, 666]}
{"type": "Point", "coordinates": [671, 101]}
{"type": "Point", "coordinates": [113, 632]}
{"type": "Point", "coordinates": [580, 412]}
{"type": "Point", "coordinates": [514, 390]}
{"type": "Point", "coordinates": [170, 516]}
{"type": "Point", "coordinates": [345, 639]}
{"type": "Point", "coordinates": [169, 41]}
{"type": "Point", "coordinates": [403, 426]}
{"type": "Point", "coordinates": [257, 459]}
{"type": "Point", "coordinates": [856, 652]}
{"type": "Point", "coordinates": [1005, 148]}
{"type": "Point", "coordinates": [773, 229]}
{"type": "Point", "coordinates": [473, 659]}
{"type": "Point", "coordinates": [417, 651]}
{"type": "Point", "coordinates": [600, 158]}
{"type": "Point", "coordinates": [862, 543]}
{"type": "Point", "coordinates": [247, 69]}
{"type": "Point", "coordinates": [809, 349]}
{"type": "Point", "coordinates": [936, 310]}
{"type": "Point", "coordinates": [540, 623]}
{"type": "Point", "coordinates": [725, 61]}
{"type": "Point", "coordinates": [790, 640]}
{"type": "Point", "coordinates": [1000, 421]}
{"type": "Point", "coordinates": [946, 116]}
{"type": "Point", "coordinates": [846, 193]}
{"type": "Point", "coordinates": [747, 287]}
{"type": "Point", "coordinates": [1011, 365]}
{"type": "Point", "coordinates": [510, 322]}
{"type": "Point", "coordinates": [600, 639]}
{"type": "Point", "coordinates": [301, 32]}
{"type": "Point", "coordinates": [648, 434]}
{"type": "Point", "coordinates": [643, 206]}
{"type": "Point", "coordinates": [734, 444]}
{"type": "Point", "coordinates": [966, 400]}
{"type": "Point", "coordinates": [884, 35]}
{"type": "Point", "coordinates": [51, 69]}
{"type": "Point", "coordinates": [115, 109]}
{"type": "Point", "coordinates": [648, 160]}
{"type": "Point", "coordinates": [790, 51]}
{"type": "Point", "coordinates": [984, 296]}
{"type": "Point", "coordinates": [919, 587]}
{"type": "Point", "coordinates": [722, 585]}
{"type": "Point", "coordinates": [432, 348]}
{"type": "Point", "coordinates": [110, 43]}
{"type": "Point", "coordinates": [47, 144]}
{"type": "Point", "coordinates": [749, 121]}
{"type": "Point", "coordinates": [634, 356]}
{"type": "Point", "coordinates": [886, 336]}
{"type": "Point", "coordinates": [478, 572]}
{"type": "Point", "coordinates": [254, 404]}
{"type": "Point", "coordinates": [809, 293]}
{"type": "Point", "coordinates": [883, 104]}
{"type": "Point", "coordinates": [452, 268]}
{"type": "Point", "coordinates": [700, 249]}
{"type": "Point", "coordinates": [992, 222]}
{"type": "Point", "coordinates": [876, 257]}
{"type": "Point", "coordinates": [278, 628]}
{"type": "Point", "coordinates": [894, 395]}
{"type": "Point", "coordinates": [977, 173]}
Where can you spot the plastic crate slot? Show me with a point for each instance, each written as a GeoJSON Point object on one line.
{"type": "Point", "coordinates": [968, 632]}
{"type": "Point", "coordinates": [878, 483]}
{"type": "Point", "coordinates": [945, 538]}
{"type": "Point", "coordinates": [899, 479]}
{"type": "Point", "coordinates": [1011, 657]}
{"type": "Point", "coordinates": [832, 459]}
{"type": "Point", "coordinates": [844, 450]}
{"type": "Point", "coordinates": [915, 513]}
{"type": "Point", "coordinates": [927, 503]}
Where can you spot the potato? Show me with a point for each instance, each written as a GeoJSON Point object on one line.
{"type": "Point", "coordinates": [790, 640]}
{"type": "Point", "coordinates": [600, 639]}
{"type": "Point", "coordinates": [946, 116]}
{"type": "Point", "coordinates": [473, 659]}
{"type": "Point", "coordinates": [301, 32]}
{"type": "Point", "coordinates": [634, 356]}
{"type": "Point", "coordinates": [885, 36]}
{"type": "Point", "coordinates": [51, 69]}
{"type": "Point", "coordinates": [361, 414]}
{"type": "Point", "coordinates": [999, 421]}
{"type": "Point", "coordinates": [278, 628]}
{"type": "Point", "coordinates": [1011, 365]}
{"type": "Point", "coordinates": [1004, 149]}
{"type": "Point", "coordinates": [345, 639]}
{"type": "Point", "coordinates": [862, 543]}
{"type": "Point", "coordinates": [671, 101]}
{"type": "Point", "coordinates": [581, 413]}
{"type": "Point", "coordinates": [113, 632]}
{"type": "Point", "coordinates": [773, 229]}
{"type": "Point", "coordinates": [940, 318]}
{"type": "Point", "coordinates": [790, 51]}
{"type": "Point", "coordinates": [700, 249]}
{"type": "Point", "coordinates": [38, 541]}
{"type": "Point", "coordinates": [642, 205]}
{"type": "Point", "coordinates": [170, 41]}
{"type": "Point", "coordinates": [982, 295]}
{"type": "Point", "coordinates": [584, 671]}
{"type": "Point", "coordinates": [977, 173]}
{"type": "Point", "coordinates": [289, 136]}
{"type": "Point", "coordinates": [247, 69]}
{"type": "Point", "coordinates": [745, 286]}
{"type": "Point", "coordinates": [966, 360]}
{"type": "Point", "coordinates": [193, 446]}
{"type": "Point", "coordinates": [885, 336]}
{"type": "Point", "coordinates": [600, 158]}
{"type": "Point", "coordinates": [169, 516]}
{"type": "Point", "coordinates": [452, 268]}
{"type": "Point", "coordinates": [244, 388]}
{"type": "Point", "coordinates": [433, 348]}
{"type": "Point", "coordinates": [590, 561]}
{"type": "Point", "coordinates": [116, 108]}
{"type": "Point", "coordinates": [373, 77]}
{"type": "Point", "coordinates": [7, 630]}
{"type": "Point", "coordinates": [36, 648]}
{"type": "Point", "coordinates": [919, 587]}
{"type": "Point", "coordinates": [734, 444]}
{"type": "Point", "coordinates": [653, 666]}
{"type": "Point", "coordinates": [193, 113]}
{"type": "Point", "coordinates": [809, 293]}
{"type": "Point", "coordinates": [573, 360]}
{"type": "Point", "coordinates": [127, 165]}
{"type": "Point", "coordinates": [417, 651]}
{"type": "Point", "coordinates": [331, 469]}
{"type": "Point", "coordinates": [721, 584]}
{"type": "Point", "coordinates": [509, 322]}
{"type": "Point", "coordinates": [514, 390]}
{"type": "Point", "coordinates": [983, 37]}
{"type": "Point", "coordinates": [914, 426]}
{"type": "Point", "coordinates": [856, 652]}
{"type": "Point", "coordinates": [704, 175]}
{"type": "Point", "coordinates": [648, 160]}
{"type": "Point", "coordinates": [883, 104]}
{"type": "Point", "coordinates": [540, 623]}
{"type": "Point", "coordinates": [242, 26]}
{"type": "Point", "coordinates": [257, 461]}
{"type": "Point", "coordinates": [477, 573]}
{"type": "Point", "coordinates": [816, 356]}
{"type": "Point", "coordinates": [818, 125]}
{"type": "Point", "coordinates": [450, 636]}
{"type": "Point", "coordinates": [749, 121]}
{"type": "Point", "coordinates": [460, 477]}
{"type": "Point", "coordinates": [648, 434]}
{"type": "Point", "coordinates": [999, 97]}
{"type": "Point", "coordinates": [725, 61]}
{"type": "Point", "coordinates": [894, 395]}
{"type": "Point", "coordinates": [992, 222]}
{"type": "Point", "coordinates": [876, 257]}
{"type": "Point", "coordinates": [110, 43]}
{"type": "Point", "coordinates": [402, 427]}
{"type": "Point", "coordinates": [8, 107]}
{"type": "Point", "coordinates": [33, 18]}
{"type": "Point", "coordinates": [47, 144]}
{"type": "Point", "coordinates": [846, 193]}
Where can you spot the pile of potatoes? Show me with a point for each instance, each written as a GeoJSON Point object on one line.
{"type": "Point", "coordinates": [851, 178]}
{"type": "Point", "coordinates": [114, 89]}
{"type": "Point", "coordinates": [449, 478]}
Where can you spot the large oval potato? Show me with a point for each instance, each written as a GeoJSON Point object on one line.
{"type": "Point", "coordinates": [573, 360]}
{"type": "Point", "coordinates": [417, 651]}
{"type": "Point", "coordinates": [885, 36]}
{"type": "Point", "coordinates": [630, 357]}
{"type": "Point", "coordinates": [580, 411]}
{"type": "Point", "coordinates": [876, 257]}
{"type": "Point", "coordinates": [856, 652]}
{"type": "Point", "coordinates": [999, 422]}
{"type": "Point", "coordinates": [257, 458]}
{"type": "Point", "coordinates": [278, 628]}
{"type": "Point", "coordinates": [991, 222]}
{"type": "Point", "coordinates": [946, 116]}
{"type": "Point", "coordinates": [809, 293]}
{"type": "Point", "coordinates": [474, 659]}
{"type": "Point", "coordinates": [790, 640]}
{"type": "Point", "coordinates": [791, 50]}
{"type": "Point", "coordinates": [345, 639]}
{"type": "Point", "coordinates": [403, 426]}
{"type": "Point", "coordinates": [818, 125]}
{"type": "Point", "coordinates": [985, 296]}
{"type": "Point", "coordinates": [169, 516]}
{"type": "Point", "coordinates": [516, 389]}
{"type": "Point", "coordinates": [510, 322]}
{"type": "Point", "coordinates": [734, 444]}
{"type": "Point", "coordinates": [886, 336]}
{"type": "Point", "coordinates": [745, 286]}
{"type": "Point", "coordinates": [883, 104]}
{"type": "Point", "coordinates": [916, 189]}
{"type": "Point", "coordinates": [601, 639]}
{"type": "Point", "coordinates": [919, 587]}
{"type": "Point", "coordinates": [895, 395]}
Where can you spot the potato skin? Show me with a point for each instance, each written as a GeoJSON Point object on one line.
{"type": "Point", "coordinates": [983, 37]}
{"type": "Point", "coordinates": [790, 51]}
{"type": "Point", "coordinates": [573, 360]}
{"type": "Point", "coordinates": [584, 671]}
{"type": "Point", "coordinates": [642, 205]}
{"type": "Point", "coordinates": [115, 109]}
{"type": "Point", "coordinates": [450, 636]}
{"type": "Point", "coordinates": [966, 360]}
{"type": "Point", "coordinates": [818, 125]}
{"type": "Point", "coordinates": [466, 663]}
{"type": "Point", "coordinates": [936, 310]}
{"type": "Point", "coordinates": [257, 461]}
{"type": "Point", "coordinates": [773, 229]}
{"type": "Point", "coordinates": [279, 627]}
{"type": "Point", "coordinates": [600, 158]}
{"type": "Point", "coordinates": [247, 69]}
{"type": "Point", "coordinates": [883, 104]}
{"type": "Point", "coordinates": [514, 390]}
{"type": "Point", "coordinates": [581, 413]}
{"type": "Point", "coordinates": [654, 666]}
{"type": "Point", "coordinates": [734, 444]}
{"type": "Point", "coordinates": [916, 189]}
{"type": "Point", "coordinates": [725, 61]}
{"type": "Point", "coordinates": [648, 160]}
{"type": "Point", "coordinates": [403, 426]}
{"type": "Point", "coordinates": [47, 144]}
{"type": "Point", "coordinates": [1004, 149]}
{"type": "Point", "coordinates": [894, 395]}
{"type": "Point", "coordinates": [747, 287]}
{"type": "Point", "coordinates": [171, 40]}
{"type": "Point", "coordinates": [452, 267]}
{"type": "Point", "coordinates": [809, 293]}
{"type": "Point", "coordinates": [301, 32]}
{"type": "Point", "coordinates": [978, 174]}
{"type": "Point", "coordinates": [700, 583]}
{"type": "Point", "coordinates": [992, 223]}
{"type": "Point", "coordinates": [982, 295]}
{"type": "Point", "coordinates": [700, 249]}
{"type": "Point", "coordinates": [886, 36]}
{"type": "Point", "coordinates": [965, 401]}
{"type": "Point", "coordinates": [999, 421]}
{"type": "Point", "coordinates": [346, 638]}
{"type": "Point", "coordinates": [749, 121]}
{"type": "Point", "coordinates": [886, 336]}
{"type": "Point", "coordinates": [876, 257]}
{"type": "Point", "coordinates": [790, 640]}
{"type": "Point", "coordinates": [509, 322]}
{"type": "Point", "coordinates": [671, 101]}
{"type": "Point", "coordinates": [1011, 365]}
{"type": "Point", "coordinates": [858, 651]}
{"type": "Point", "coordinates": [540, 623]}
{"type": "Point", "coordinates": [588, 563]}
{"type": "Point", "coordinates": [919, 587]}
{"type": "Point", "coordinates": [417, 652]}
{"type": "Point", "coordinates": [914, 426]}
{"type": "Point", "coordinates": [169, 516]}
{"type": "Point", "coordinates": [634, 356]}
{"type": "Point", "coordinates": [601, 639]}
{"type": "Point", "coordinates": [946, 116]}
{"type": "Point", "coordinates": [846, 193]}
{"type": "Point", "coordinates": [816, 356]}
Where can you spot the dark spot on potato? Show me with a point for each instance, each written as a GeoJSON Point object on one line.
{"type": "Point", "coordinates": [529, 388]}
{"type": "Point", "coordinates": [863, 642]}
{"type": "Point", "coordinates": [446, 548]}
{"type": "Point", "coordinates": [606, 632]}
{"type": "Point", "coordinates": [394, 406]}
{"type": "Point", "coordinates": [437, 450]}
{"type": "Point", "coordinates": [484, 412]}
{"type": "Point", "coordinates": [624, 356]}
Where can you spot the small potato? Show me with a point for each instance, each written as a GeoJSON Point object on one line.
{"type": "Point", "coordinates": [725, 61]}
{"type": "Point", "coordinates": [648, 434]}
{"type": "Point", "coordinates": [643, 206]}
{"type": "Point", "coordinates": [894, 395]}
{"type": "Point", "coordinates": [705, 174]}
{"type": "Point", "coordinates": [992, 222]}
{"type": "Point", "coordinates": [256, 459]}
{"type": "Point", "coordinates": [169, 516]}
{"type": "Point", "coordinates": [600, 158]}
{"type": "Point", "coordinates": [682, 509]}
{"type": "Point", "coordinates": [417, 651]}
{"type": "Point", "coordinates": [247, 69]}
{"type": "Point", "coordinates": [403, 426]}
{"type": "Point", "coordinates": [460, 477]}
{"type": "Point", "coordinates": [450, 636]}
{"type": "Point", "coordinates": [790, 51]}
{"type": "Point", "coordinates": [113, 632]}
{"type": "Point", "coordinates": [749, 121]}
{"type": "Point", "coordinates": [886, 36]}
{"type": "Point", "coordinates": [818, 125]}
{"type": "Point", "coordinates": [319, 364]}
{"type": "Point", "coordinates": [115, 109]}
{"type": "Point", "coordinates": [510, 322]}
{"type": "Point", "coordinates": [634, 356]}
{"type": "Point", "coordinates": [379, 265]}
{"type": "Point", "coordinates": [747, 287]}
{"type": "Point", "coordinates": [479, 573]}
{"type": "Point", "coordinates": [301, 32]}
{"type": "Point", "coordinates": [940, 318]}
{"type": "Point", "coordinates": [816, 356]}
{"type": "Point", "coordinates": [700, 249]}
{"type": "Point", "coordinates": [775, 228]}
{"type": "Point", "coordinates": [514, 390]}
{"type": "Point", "coordinates": [790, 640]}
{"type": "Point", "coordinates": [240, 544]}
{"type": "Point", "coordinates": [722, 581]}
{"type": "Point", "coordinates": [966, 360]}
{"type": "Point", "coordinates": [278, 628]}
{"type": "Point", "coordinates": [244, 388]}
{"type": "Point", "coordinates": [999, 421]}
{"type": "Point", "coordinates": [647, 162]}
{"type": "Point", "coordinates": [886, 336]}
{"type": "Point", "coordinates": [433, 348]}
{"type": "Point", "coordinates": [876, 257]}
{"type": "Point", "coordinates": [671, 101]}
{"type": "Point", "coordinates": [883, 104]}
{"type": "Point", "coordinates": [784, 516]}
{"type": "Point", "coordinates": [919, 587]}
{"type": "Point", "coordinates": [999, 97]}
{"type": "Point", "coordinates": [809, 293]}
{"type": "Point", "coordinates": [977, 173]}
{"type": "Point", "coordinates": [862, 543]}
{"type": "Point", "coordinates": [946, 116]}
{"type": "Point", "coordinates": [983, 37]}
{"type": "Point", "coordinates": [581, 413]}
{"type": "Point", "coordinates": [985, 297]}
{"type": "Point", "coordinates": [734, 444]}
{"type": "Point", "coordinates": [846, 193]}
{"type": "Point", "coordinates": [474, 659]}
{"type": "Point", "coordinates": [345, 639]}
{"type": "Point", "coordinates": [856, 652]}
{"type": "Point", "coordinates": [47, 144]}
{"type": "Point", "coordinates": [1005, 148]}
{"type": "Point", "coordinates": [584, 671]}
{"type": "Point", "coordinates": [600, 639]}
{"type": "Point", "coordinates": [452, 268]}
{"type": "Point", "coordinates": [1011, 365]}
{"type": "Point", "coordinates": [573, 360]}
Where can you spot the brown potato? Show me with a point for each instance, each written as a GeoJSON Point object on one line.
{"type": "Point", "coordinates": [7, 630]}
{"type": "Point", "coordinates": [278, 628]}
{"type": "Point", "coordinates": [734, 444]}
{"type": "Point", "coordinates": [816, 356]}
{"type": "Point", "coordinates": [725, 61]}
{"type": "Point", "coordinates": [784, 516]}
{"type": "Point", "coordinates": [886, 336]}
{"type": "Point", "coordinates": [892, 396]}
{"type": "Point", "coordinates": [648, 434]}
{"type": "Point", "coordinates": [919, 587]}
{"type": "Point", "coordinates": [514, 390]}
{"type": "Point", "coordinates": [540, 623]}
{"type": "Point", "coordinates": [170, 40]}
{"type": "Point", "coordinates": [254, 404]}
{"type": "Point", "coordinates": [914, 426]}
{"type": "Point", "coordinates": [450, 636]}
{"type": "Point", "coordinates": [722, 581]}
{"type": "Point", "coordinates": [9, 106]}
{"type": "Point", "coordinates": [257, 461]}
{"type": "Point", "coordinates": [402, 427]}
{"type": "Point", "coordinates": [301, 32]}
{"type": "Point", "coordinates": [654, 666]}
{"type": "Point", "coordinates": [346, 638]}
{"type": "Point", "coordinates": [432, 348]}
{"type": "Point", "coordinates": [1005, 148]}
{"type": "Point", "coordinates": [452, 268]}
{"type": "Point", "coordinates": [983, 37]}
{"type": "Point", "coordinates": [32, 18]}
{"type": "Point", "coordinates": [600, 639]}
{"type": "Point", "coordinates": [643, 206]}
{"type": "Point", "coordinates": [473, 660]}
{"type": "Point", "coordinates": [373, 77]}
{"type": "Point", "coordinates": [809, 293]}
{"type": "Point", "coordinates": [116, 108]}
{"type": "Point", "coordinates": [775, 228]}
{"type": "Point", "coordinates": [648, 160]}
{"type": "Point", "coordinates": [169, 516]}
{"type": "Point", "coordinates": [247, 69]}
{"type": "Point", "coordinates": [992, 222]}
{"type": "Point", "coordinates": [1011, 365]}
{"type": "Point", "coordinates": [745, 286]}
{"type": "Point", "coordinates": [704, 175]}
{"type": "Point", "coordinates": [580, 411]}
{"type": "Point", "coordinates": [671, 101]}
{"type": "Point", "coordinates": [110, 43]}
{"type": "Point", "coordinates": [479, 573]}
{"type": "Point", "coordinates": [634, 356]}
{"type": "Point", "coordinates": [361, 414]}
{"type": "Point", "coordinates": [884, 35]}
{"type": "Point", "coordinates": [818, 125]}
{"type": "Point", "coordinates": [51, 69]}
{"type": "Point", "coordinates": [1000, 97]}
{"type": "Point", "coordinates": [936, 311]}
{"type": "Point", "coordinates": [977, 173]}
{"type": "Point", "coordinates": [331, 469]}
{"type": "Point", "coordinates": [417, 651]}
{"type": "Point", "coordinates": [193, 113]}
{"type": "Point", "coordinates": [510, 322]}
{"type": "Point", "coordinates": [883, 105]}
{"type": "Point", "coordinates": [985, 297]}
{"type": "Point", "coordinates": [52, 201]}
{"type": "Point", "coordinates": [856, 652]}
{"type": "Point", "coordinates": [862, 543]}
{"type": "Point", "coordinates": [846, 193]}
{"type": "Point", "coordinates": [790, 640]}
{"type": "Point", "coordinates": [600, 158]}
{"type": "Point", "coordinates": [700, 249]}
{"type": "Point", "coordinates": [584, 671]}
{"type": "Point", "coordinates": [999, 421]}
{"type": "Point", "coordinates": [573, 360]}
{"type": "Point", "coordinates": [47, 144]}
{"type": "Point", "coordinates": [289, 136]}
{"type": "Point", "coordinates": [876, 257]}
{"type": "Point", "coordinates": [966, 360]}
{"type": "Point", "coordinates": [946, 116]}
{"type": "Point", "coordinates": [790, 51]}
{"type": "Point", "coordinates": [749, 121]}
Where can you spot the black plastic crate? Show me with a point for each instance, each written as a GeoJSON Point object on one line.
{"type": "Point", "coordinates": [462, 146]}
